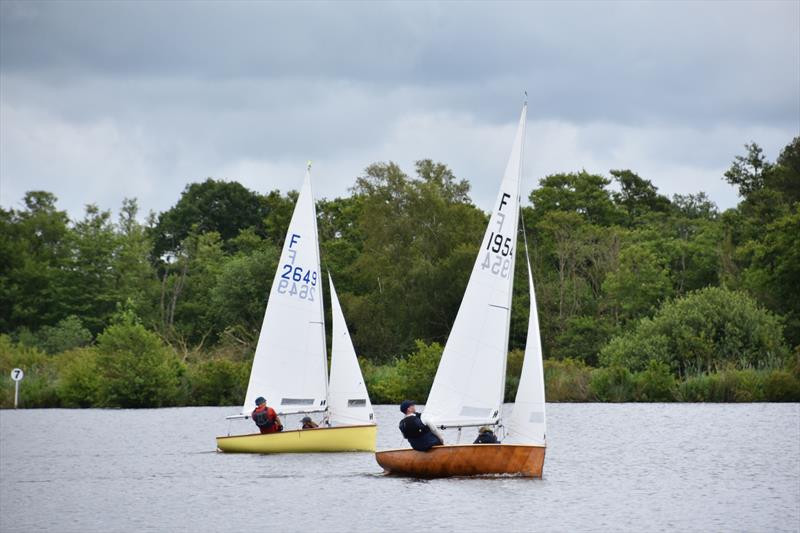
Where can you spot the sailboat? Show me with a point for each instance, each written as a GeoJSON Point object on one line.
{"type": "Point", "coordinates": [290, 364]}
{"type": "Point", "coordinates": [468, 388]}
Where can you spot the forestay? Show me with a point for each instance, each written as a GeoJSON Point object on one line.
{"type": "Point", "coordinates": [470, 381]}
{"type": "Point", "coordinates": [290, 364]}
{"type": "Point", "coordinates": [348, 402]}
{"type": "Point", "coordinates": [527, 424]}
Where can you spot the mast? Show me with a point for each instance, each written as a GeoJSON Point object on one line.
{"type": "Point", "coordinates": [321, 293]}
{"type": "Point", "coordinates": [523, 126]}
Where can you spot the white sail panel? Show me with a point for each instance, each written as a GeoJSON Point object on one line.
{"type": "Point", "coordinates": [290, 364]}
{"type": "Point", "coordinates": [528, 423]}
{"type": "Point", "coordinates": [348, 401]}
{"type": "Point", "coordinates": [470, 381]}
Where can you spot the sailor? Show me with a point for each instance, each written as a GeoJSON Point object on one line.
{"type": "Point", "coordinates": [486, 436]}
{"type": "Point", "coordinates": [421, 435]}
{"type": "Point", "coordinates": [307, 423]}
{"type": "Point", "coordinates": [265, 417]}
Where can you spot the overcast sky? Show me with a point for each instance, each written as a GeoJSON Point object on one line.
{"type": "Point", "coordinates": [105, 100]}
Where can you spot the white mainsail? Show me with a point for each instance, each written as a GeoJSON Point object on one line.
{"type": "Point", "coordinates": [290, 364]}
{"type": "Point", "coordinates": [528, 424]}
{"type": "Point", "coordinates": [348, 401]}
{"type": "Point", "coordinates": [470, 381]}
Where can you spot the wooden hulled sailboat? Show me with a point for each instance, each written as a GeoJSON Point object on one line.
{"type": "Point", "coordinates": [290, 363]}
{"type": "Point", "coordinates": [468, 389]}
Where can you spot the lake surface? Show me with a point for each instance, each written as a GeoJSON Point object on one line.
{"type": "Point", "coordinates": [609, 467]}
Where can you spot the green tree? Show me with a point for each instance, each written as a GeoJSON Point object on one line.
{"type": "Point", "coordinates": [747, 171]}
{"type": "Point", "coordinates": [34, 252]}
{"type": "Point", "coordinates": [240, 291]}
{"type": "Point", "coordinates": [420, 238]}
{"type": "Point", "coordinates": [637, 197]}
{"type": "Point", "coordinates": [222, 207]}
{"type": "Point", "coordinates": [135, 279]}
{"type": "Point", "coordinates": [637, 287]}
{"type": "Point", "coordinates": [582, 193]}
{"type": "Point", "coordinates": [187, 313]}
{"type": "Point", "coordinates": [774, 266]}
{"type": "Point", "coordinates": [90, 284]}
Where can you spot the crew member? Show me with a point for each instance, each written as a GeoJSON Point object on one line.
{"type": "Point", "coordinates": [307, 423]}
{"type": "Point", "coordinates": [486, 436]}
{"type": "Point", "coordinates": [421, 435]}
{"type": "Point", "coordinates": [265, 417]}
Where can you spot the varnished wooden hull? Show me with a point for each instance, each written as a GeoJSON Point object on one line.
{"type": "Point", "coordinates": [464, 460]}
{"type": "Point", "coordinates": [335, 439]}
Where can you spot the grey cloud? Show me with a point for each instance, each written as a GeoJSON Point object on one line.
{"type": "Point", "coordinates": [628, 62]}
{"type": "Point", "coordinates": [105, 99]}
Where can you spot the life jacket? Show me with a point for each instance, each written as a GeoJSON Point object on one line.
{"type": "Point", "coordinates": [419, 435]}
{"type": "Point", "coordinates": [264, 416]}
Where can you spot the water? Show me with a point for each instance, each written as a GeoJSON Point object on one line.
{"type": "Point", "coordinates": [624, 467]}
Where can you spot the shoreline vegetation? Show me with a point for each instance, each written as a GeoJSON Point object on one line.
{"type": "Point", "coordinates": [642, 298]}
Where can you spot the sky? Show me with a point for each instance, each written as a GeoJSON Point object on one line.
{"type": "Point", "coordinates": [100, 101]}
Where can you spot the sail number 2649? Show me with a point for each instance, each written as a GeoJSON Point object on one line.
{"type": "Point", "coordinates": [298, 282]}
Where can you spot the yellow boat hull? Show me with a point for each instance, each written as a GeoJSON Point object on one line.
{"type": "Point", "coordinates": [335, 439]}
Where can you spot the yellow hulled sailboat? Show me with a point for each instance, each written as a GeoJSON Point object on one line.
{"type": "Point", "coordinates": [290, 363]}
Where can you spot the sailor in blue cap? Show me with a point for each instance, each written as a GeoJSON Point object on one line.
{"type": "Point", "coordinates": [421, 434]}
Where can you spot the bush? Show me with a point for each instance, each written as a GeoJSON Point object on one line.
{"type": "Point", "coordinates": [37, 389]}
{"type": "Point", "coordinates": [382, 382]}
{"type": "Point", "coordinates": [694, 389]}
{"type": "Point", "coordinates": [706, 331]}
{"type": "Point", "coordinates": [656, 384]}
{"type": "Point", "coordinates": [781, 386]}
{"type": "Point", "coordinates": [79, 382]}
{"type": "Point", "coordinates": [135, 367]}
{"type": "Point", "coordinates": [64, 336]}
{"type": "Point", "coordinates": [415, 372]}
{"type": "Point", "coordinates": [612, 384]}
{"type": "Point", "coordinates": [729, 385]}
{"type": "Point", "coordinates": [409, 377]}
{"type": "Point", "coordinates": [218, 382]}
{"type": "Point", "coordinates": [748, 384]}
{"type": "Point", "coordinates": [566, 381]}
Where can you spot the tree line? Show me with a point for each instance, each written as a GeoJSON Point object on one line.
{"type": "Point", "coordinates": [640, 296]}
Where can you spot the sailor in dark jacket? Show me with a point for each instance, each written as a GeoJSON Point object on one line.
{"type": "Point", "coordinates": [422, 436]}
{"type": "Point", "coordinates": [486, 436]}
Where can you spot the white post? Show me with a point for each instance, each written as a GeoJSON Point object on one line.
{"type": "Point", "coordinates": [17, 374]}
